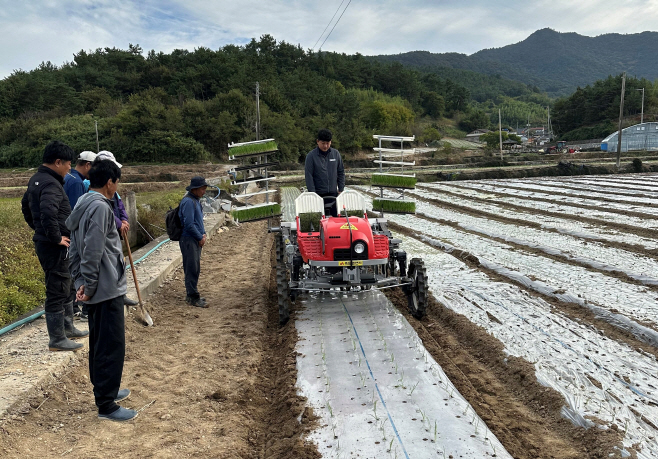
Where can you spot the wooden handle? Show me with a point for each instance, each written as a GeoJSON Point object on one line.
{"type": "Point", "coordinates": [132, 267]}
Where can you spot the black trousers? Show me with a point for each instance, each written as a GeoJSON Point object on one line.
{"type": "Point", "coordinates": [191, 251]}
{"type": "Point", "coordinates": [334, 208]}
{"type": "Point", "coordinates": [107, 350]}
{"type": "Point", "coordinates": [54, 260]}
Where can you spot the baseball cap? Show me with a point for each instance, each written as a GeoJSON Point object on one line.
{"type": "Point", "coordinates": [87, 156]}
{"type": "Point", "coordinates": [109, 156]}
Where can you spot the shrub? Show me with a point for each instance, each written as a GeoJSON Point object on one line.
{"type": "Point", "coordinates": [21, 278]}
{"type": "Point", "coordinates": [637, 164]}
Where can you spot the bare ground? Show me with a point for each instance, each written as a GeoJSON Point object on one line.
{"type": "Point", "coordinates": [212, 383]}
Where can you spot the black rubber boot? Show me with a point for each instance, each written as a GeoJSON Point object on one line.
{"type": "Point", "coordinates": [58, 340]}
{"type": "Point", "coordinates": [129, 301]}
{"type": "Point", "coordinates": [69, 328]}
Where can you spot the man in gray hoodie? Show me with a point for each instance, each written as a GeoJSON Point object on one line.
{"type": "Point", "coordinates": [99, 274]}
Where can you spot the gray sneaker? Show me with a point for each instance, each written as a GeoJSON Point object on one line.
{"type": "Point", "coordinates": [122, 395]}
{"type": "Point", "coordinates": [120, 415]}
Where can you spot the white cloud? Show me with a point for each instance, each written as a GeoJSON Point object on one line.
{"type": "Point", "coordinates": [42, 30]}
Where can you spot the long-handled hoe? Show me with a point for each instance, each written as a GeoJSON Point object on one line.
{"type": "Point", "coordinates": [145, 314]}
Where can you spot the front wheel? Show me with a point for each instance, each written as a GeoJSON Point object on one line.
{"type": "Point", "coordinates": [417, 291]}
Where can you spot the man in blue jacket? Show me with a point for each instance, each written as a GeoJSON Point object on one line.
{"type": "Point", "coordinates": [193, 238]}
{"type": "Point", "coordinates": [325, 174]}
{"type": "Point", "coordinates": [74, 181]}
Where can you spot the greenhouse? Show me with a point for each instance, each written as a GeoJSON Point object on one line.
{"type": "Point", "coordinates": [638, 137]}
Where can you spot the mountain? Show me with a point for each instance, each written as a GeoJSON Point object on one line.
{"type": "Point", "coordinates": [555, 62]}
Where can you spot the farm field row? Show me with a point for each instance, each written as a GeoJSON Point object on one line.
{"type": "Point", "coordinates": [556, 282]}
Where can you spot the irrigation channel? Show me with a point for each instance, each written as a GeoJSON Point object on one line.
{"type": "Point", "coordinates": [378, 391]}
{"type": "Point", "coordinates": [564, 273]}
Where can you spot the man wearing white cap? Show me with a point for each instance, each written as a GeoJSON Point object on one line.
{"type": "Point", "coordinates": [74, 180]}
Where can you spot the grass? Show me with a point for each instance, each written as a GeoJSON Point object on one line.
{"type": "Point", "coordinates": [243, 150]}
{"type": "Point", "coordinates": [21, 278]}
{"type": "Point", "coordinates": [394, 181]}
{"type": "Point", "coordinates": [389, 205]}
{"type": "Point", "coordinates": [151, 210]}
{"type": "Point", "coordinates": [245, 214]}
{"type": "Point", "coordinates": [307, 219]}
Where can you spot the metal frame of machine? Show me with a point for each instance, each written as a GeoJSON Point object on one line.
{"type": "Point", "coordinates": [347, 252]}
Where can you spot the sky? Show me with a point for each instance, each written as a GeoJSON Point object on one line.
{"type": "Point", "coordinates": [36, 31]}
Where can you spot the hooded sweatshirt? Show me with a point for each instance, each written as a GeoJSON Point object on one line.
{"type": "Point", "coordinates": [96, 258]}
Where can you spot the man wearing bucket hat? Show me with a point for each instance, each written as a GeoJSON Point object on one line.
{"type": "Point", "coordinates": [193, 238]}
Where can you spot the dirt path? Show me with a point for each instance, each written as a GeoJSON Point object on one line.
{"type": "Point", "coordinates": [213, 383]}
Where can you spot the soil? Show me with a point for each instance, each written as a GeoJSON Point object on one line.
{"type": "Point", "coordinates": [210, 383]}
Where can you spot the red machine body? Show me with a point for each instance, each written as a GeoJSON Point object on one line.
{"type": "Point", "coordinates": [332, 242]}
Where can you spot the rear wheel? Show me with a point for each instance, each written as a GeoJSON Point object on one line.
{"type": "Point", "coordinates": [282, 282]}
{"type": "Point", "coordinates": [417, 291]}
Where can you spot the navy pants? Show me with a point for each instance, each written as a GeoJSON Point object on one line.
{"type": "Point", "coordinates": [191, 251]}
{"type": "Point", "coordinates": [54, 260]}
{"type": "Point", "coordinates": [107, 350]}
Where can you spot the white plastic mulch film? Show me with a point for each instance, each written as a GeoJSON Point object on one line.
{"type": "Point", "coordinates": [378, 392]}
{"type": "Point", "coordinates": [530, 232]}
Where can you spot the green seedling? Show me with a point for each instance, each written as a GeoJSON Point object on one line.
{"type": "Point", "coordinates": [391, 205]}
{"type": "Point", "coordinates": [251, 149]}
{"type": "Point", "coordinates": [393, 181]}
{"type": "Point", "coordinates": [390, 445]}
{"type": "Point", "coordinates": [375, 410]}
{"type": "Point", "coordinates": [414, 388]}
{"type": "Point", "coordinates": [392, 357]}
{"type": "Point", "coordinates": [383, 429]}
{"type": "Point", "coordinates": [435, 431]}
{"type": "Point", "coordinates": [331, 411]}
{"type": "Point", "coordinates": [249, 213]}
{"type": "Point", "coordinates": [309, 221]}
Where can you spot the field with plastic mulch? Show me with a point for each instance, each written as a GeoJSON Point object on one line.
{"type": "Point", "coordinates": [561, 274]}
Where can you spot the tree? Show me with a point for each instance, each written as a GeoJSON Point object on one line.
{"type": "Point", "coordinates": [477, 119]}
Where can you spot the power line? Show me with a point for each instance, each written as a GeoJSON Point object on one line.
{"type": "Point", "coordinates": [332, 29]}
{"type": "Point", "coordinates": [327, 26]}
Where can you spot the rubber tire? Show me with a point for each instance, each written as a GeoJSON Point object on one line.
{"type": "Point", "coordinates": [417, 292]}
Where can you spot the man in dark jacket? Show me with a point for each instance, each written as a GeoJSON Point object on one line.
{"type": "Point", "coordinates": [325, 174]}
{"type": "Point", "coordinates": [45, 208]}
{"type": "Point", "coordinates": [193, 238]}
{"type": "Point", "coordinates": [99, 274]}
{"type": "Point", "coordinates": [74, 181]}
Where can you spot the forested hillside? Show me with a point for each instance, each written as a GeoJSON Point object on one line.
{"type": "Point", "coordinates": [592, 112]}
{"type": "Point", "coordinates": [557, 63]}
{"type": "Point", "coordinates": [188, 105]}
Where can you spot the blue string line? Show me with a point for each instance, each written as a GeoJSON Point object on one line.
{"type": "Point", "coordinates": [373, 379]}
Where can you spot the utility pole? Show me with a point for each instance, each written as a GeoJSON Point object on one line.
{"type": "Point", "coordinates": [621, 115]}
{"type": "Point", "coordinates": [642, 115]}
{"type": "Point", "coordinates": [500, 135]}
{"type": "Point", "coordinates": [257, 111]}
{"type": "Point", "coordinates": [97, 148]}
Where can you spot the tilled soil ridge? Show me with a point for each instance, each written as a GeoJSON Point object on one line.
{"type": "Point", "coordinates": [211, 383]}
